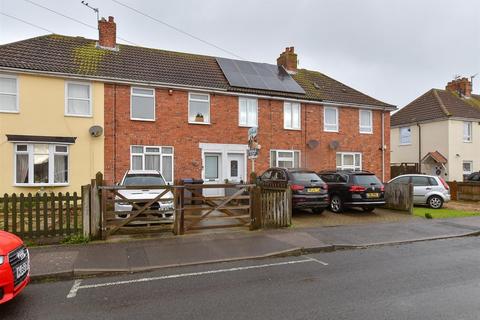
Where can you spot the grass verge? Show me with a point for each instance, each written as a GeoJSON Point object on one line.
{"type": "Point", "coordinates": [442, 213]}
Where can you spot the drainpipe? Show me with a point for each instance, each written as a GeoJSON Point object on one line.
{"type": "Point", "coordinates": [383, 145]}
{"type": "Point", "coordinates": [114, 165]}
{"type": "Point", "coordinates": [419, 147]}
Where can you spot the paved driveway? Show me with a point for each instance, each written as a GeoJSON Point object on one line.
{"type": "Point", "coordinates": [305, 219]}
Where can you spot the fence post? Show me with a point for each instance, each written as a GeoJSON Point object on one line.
{"type": "Point", "coordinates": [410, 197]}
{"type": "Point", "coordinates": [94, 210]}
{"type": "Point", "coordinates": [86, 210]}
{"type": "Point", "coordinates": [255, 208]}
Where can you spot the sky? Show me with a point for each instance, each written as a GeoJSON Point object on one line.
{"type": "Point", "coordinates": [393, 50]}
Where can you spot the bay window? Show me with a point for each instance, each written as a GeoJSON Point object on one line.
{"type": "Point", "coordinates": [41, 164]}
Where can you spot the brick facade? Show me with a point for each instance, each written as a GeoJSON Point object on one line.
{"type": "Point", "coordinates": [171, 128]}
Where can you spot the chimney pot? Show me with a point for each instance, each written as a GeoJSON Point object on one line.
{"type": "Point", "coordinates": [288, 60]}
{"type": "Point", "coordinates": [462, 86]}
{"type": "Point", "coordinates": [107, 33]}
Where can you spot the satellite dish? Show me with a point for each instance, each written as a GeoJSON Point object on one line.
{"type": "Point", "coordinates": [312, 144]}
{"type": "Point", "coordinates": [334, 144]}
{"type": "Point", "coordinates": [95, 131]}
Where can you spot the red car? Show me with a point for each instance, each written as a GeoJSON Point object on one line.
{"type": "Point", "coordinates": [14, 266]}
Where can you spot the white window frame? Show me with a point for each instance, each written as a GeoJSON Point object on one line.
{"type": "Point", "coordinates": [159, 153]}
{"type": "Point", "coordinates": [365, 129]}
{"type": "Point", "coordinates": [402, 142]}
{"type": "Point", "coordinates": [209, 107]}
{"type": "Point", "coordinates": [325, 124]}
{"type": "Point", "coordinates": [292, 158]}
{"type": "Point", "coordinates": [90, 109]}
{"type": "Point", "coordinates": [471, 167]}
{"type": "Point", "coordinates": [17, 107]}
{"type": "Point", "coordinates": [288, 123]}
{"type": "Point", "coordinates": [51, 164]}
{"type": "Point", "coordinates": [142, 95]}
{"type": "Point", "coordinates": [240, 124]}
{"type": "Point", "coordinates": [469, 125]}
{"type": "Point", "coordinates": [342, 166]}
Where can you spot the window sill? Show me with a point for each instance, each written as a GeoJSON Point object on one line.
{"type": "Point", "coordinates": [138, 119]}
{"type": "Point", "coordinates": [464, 141]}
{"type": "Point", "coordinates": [247, 126]}
{"type": "Point", "coordinates": [78, 115]}
{"type": "Point", "coordinates": [361, 132]}
{"type": "Point", "coordinates": [50, 185]}
{"type": "Point", "coordinates": [325, 130]}
{"type": "Point", "coordinates": [405, 144]}
{"type": "Point", "coordinates": [10, 111]}
{"type": "Point", "coordinates": [293, 129]}
{"type": "Point", "coordinates": [204, 123]}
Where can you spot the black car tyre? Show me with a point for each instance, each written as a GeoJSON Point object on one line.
{"type": "Point", "coordinates": [336, 204]}
{"type": "Point", "coordinates": [368, 209]}
{"type": "Point", "coordinates": [317, 210]}
{"type": "Point", "coordinates": [435, 202]}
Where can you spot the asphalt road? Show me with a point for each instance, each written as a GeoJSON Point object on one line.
{"type": "Point", "coordinates": [428, 280]}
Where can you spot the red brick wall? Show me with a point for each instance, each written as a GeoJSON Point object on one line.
{"type": "Point", "coordinates": [171, 128]}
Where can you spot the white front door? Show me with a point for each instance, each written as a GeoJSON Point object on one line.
{"type": "Point", "coordinates": [212, 173]}
{"type": "Point", "coordinates": [235, 167]}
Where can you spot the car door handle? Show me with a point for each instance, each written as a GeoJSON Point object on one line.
{"type": "Point", "coordinates": [428, 188]}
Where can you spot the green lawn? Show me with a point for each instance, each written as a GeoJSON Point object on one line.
{"type": "Point", "coordinates": [443, 213]}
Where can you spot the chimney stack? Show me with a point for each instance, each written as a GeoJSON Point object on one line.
{"type": "Point", "coordinates": [462, 86]}
{"type": "Point", "coordinates": [107, 34]}
{"type": "Point", "coordinates": [288, 59]}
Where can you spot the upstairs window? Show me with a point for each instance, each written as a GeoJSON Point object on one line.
{"type": "Point", "coordinates": [467, 131]}
{"type": "Point", "coordinates": [198, 108]}
{"type": "Point", "coordinates": [291, 115]}
{"type": "Point", "coordinates": [41, 164]}
{"type": "Point", "coordinates": [405, 135]}
{"type": "Point", "coordinates": [248, 112]}
{"type": "Point", "coordinates": [285, 158]}
{"type": "Point", "coordinates": [366, 122]}
{"type": "Point", "coordinates": [330, 119]}
{"type": "Point", "coordinates": [142, 104]}
{"type": "Point", "coordinates": [8, 94]}
{"type": "Point", "coordinates": [159, 158]}
{"type": "Point", "coordinates": [79, 101]}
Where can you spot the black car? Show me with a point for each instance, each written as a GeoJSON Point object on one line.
{"type": "Point", "coordinates": [353, 189]}
{"type": "Point", "coordinates": [473, 177]}
{"type": "Point", "coordinates": [308, 189]}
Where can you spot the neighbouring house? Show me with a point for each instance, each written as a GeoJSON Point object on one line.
{"type": "Point", "coordinates": [439, 131]}
{"type": "Point", "coordinates": [186, 115]}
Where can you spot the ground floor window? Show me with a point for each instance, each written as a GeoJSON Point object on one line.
{"type": "Point", "coordinates": [349, 161]}
{"type": "Point", "coordinates": [285, 158]}
{"type": "Point", "coordinates": [158, 158]}
{"type": "Point", "coordinates": [467, 167]}
{"type": "Point", "coordinates": [41, 164]}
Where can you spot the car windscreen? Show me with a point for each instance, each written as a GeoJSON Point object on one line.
{"type": "Point", "coordinates": [306, 177]}
{"type": "Point", "coordinates": [143, 180]}
{"type": "Point", "coordinates": [366, 180]}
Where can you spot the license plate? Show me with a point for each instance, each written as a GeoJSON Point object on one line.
{"type": "Point", "coordinates": [313, 190]}
{"type": "Point", "coordinates": [21, 269]}
{"type": "Point", "coordinates": [373, 195]}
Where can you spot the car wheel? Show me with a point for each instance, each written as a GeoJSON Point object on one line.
{"type": "Point", "coordinates": [336, 204]}
{"type": "Point", "coordinates": [317, 210]}
{"type": "Point", "coordinates": [368, 209]}
{"type": "Point", "coordinates": [435, 202]}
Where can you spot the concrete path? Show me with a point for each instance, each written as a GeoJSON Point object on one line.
{"type": "Point", "coordinates": [68, 261]}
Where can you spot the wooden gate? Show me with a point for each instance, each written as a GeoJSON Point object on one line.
{"type": "Point", "coordinates": [272, 206]}
{"type": "Point", "coordinates": [198, 212]}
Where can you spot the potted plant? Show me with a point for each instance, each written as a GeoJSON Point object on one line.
{"type": "Point", "coordinates": [199, 117]}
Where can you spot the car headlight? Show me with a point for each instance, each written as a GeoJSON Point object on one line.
{"type": "Point", "coordinates": [168, 202]}
{"type": "Point", "coordinates": [1, 260]}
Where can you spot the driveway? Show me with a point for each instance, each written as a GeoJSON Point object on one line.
{"type": "Point", "coordinates": [305, 219]}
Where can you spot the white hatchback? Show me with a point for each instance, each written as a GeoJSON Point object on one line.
{"type": "Point", "coordinates": [427, 190]}
{"type": "Point", "coordinates": [153, 181]}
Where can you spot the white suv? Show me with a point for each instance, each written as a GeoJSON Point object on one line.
{"type": "Point", "coordinates": [163, 208]}
{"type": "Point", "coordinates": [427, 190]}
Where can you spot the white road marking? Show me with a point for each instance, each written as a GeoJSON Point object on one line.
{"type": "Point", "coordinates": [319, 261]}
{"type": "Point", "coordinates": [77, 286]}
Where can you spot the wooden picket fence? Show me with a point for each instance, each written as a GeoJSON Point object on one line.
{"type": "Point", "coordinates": [41, 215]}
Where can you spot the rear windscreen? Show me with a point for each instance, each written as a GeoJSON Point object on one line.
{"type": "Point", "coordinates": [306, 177]}
{"type": "Point", "coordinates": [365, 180]}
{"type": "Point", "coordinates": [143, 180]}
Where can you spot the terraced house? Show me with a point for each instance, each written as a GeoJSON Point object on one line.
{"type": "Point", "coordinates": [186, 115]}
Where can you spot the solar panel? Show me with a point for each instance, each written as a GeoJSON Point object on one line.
{"type": "Point", "coordinates": [254, 75]}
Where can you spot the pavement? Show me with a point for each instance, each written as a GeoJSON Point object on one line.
{"type": "Point", "coordinates": [427, 280]}
{"type": "Point", "coordinates": [102, 258]}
